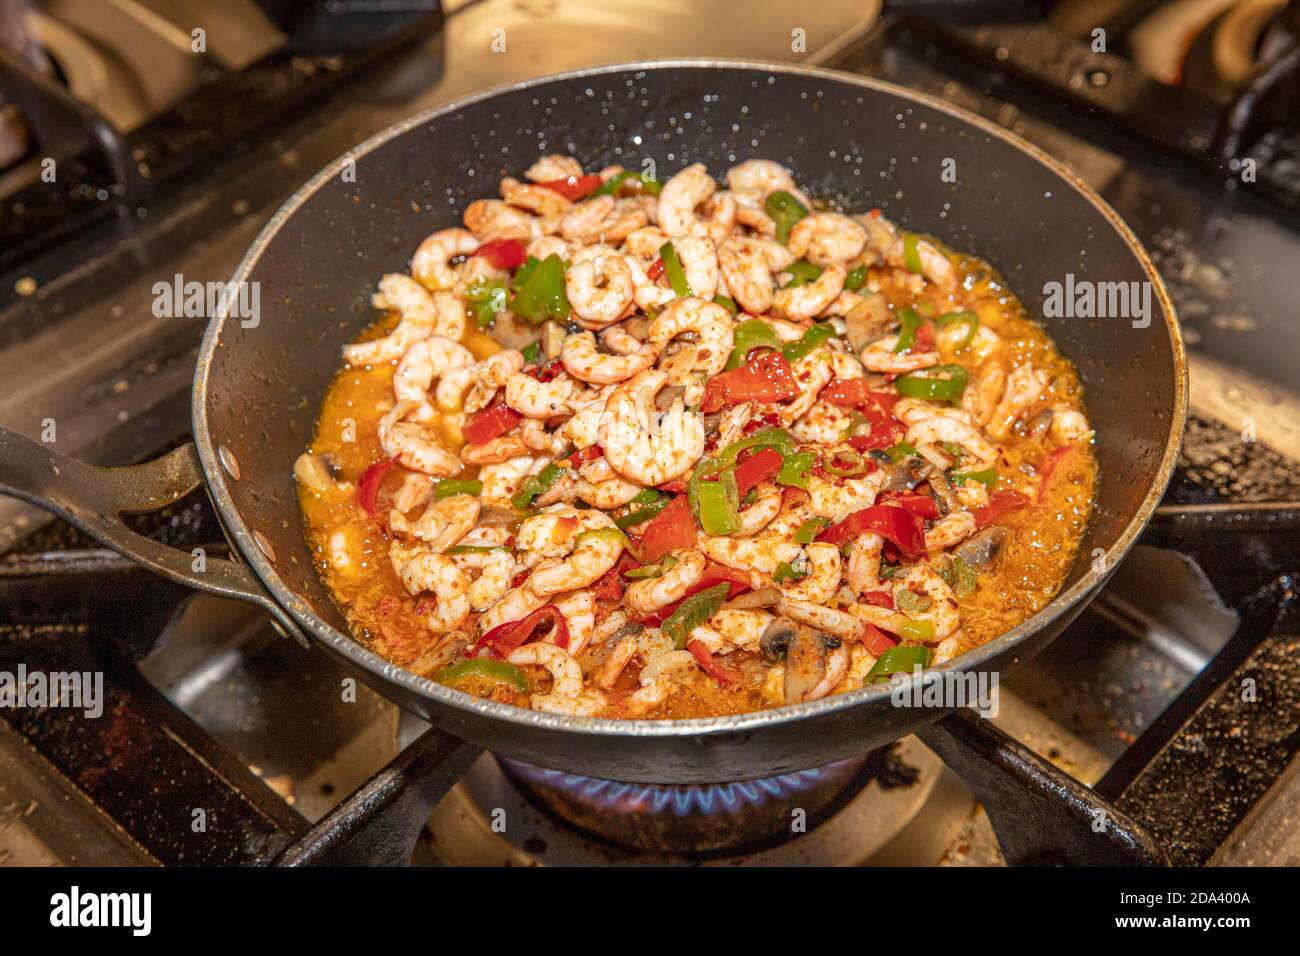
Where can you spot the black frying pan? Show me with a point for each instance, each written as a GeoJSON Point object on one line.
{"type": "Point", "coordinates": [857, 141]}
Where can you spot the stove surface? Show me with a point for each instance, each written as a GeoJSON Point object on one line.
{"type": "Point", "coordinates": [83, 347]}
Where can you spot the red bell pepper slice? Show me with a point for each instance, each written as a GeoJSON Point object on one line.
{"type": "Point", "coordinates": [610, 586]}
{"type": "Point", "coordinates": [756, 469]}
{"type": "Point", "coordinates": [879, 599]}
{"type": "Point", "coordinates": [490, 423]}
{"type": "Point", "coordinates": [670, 530]}
{"type": "Point", "coordinates": [878, 407]}
{"type": "Point", "coordinates": [765, 379]}
{"type": "Point", "coordinates": [1000, 502]}
{"type": "Point", "coordinates": [896, 525]}
{"type": "Point", "coordinates": [703, 657]}
{"type": "Point", "coordinates": [876, 640]}
{"type": "Point", "coordinates": [368, 484]}
{"type": "Point", "coordinates": [883, 435]}
{"type": "Point", "coordinates": [590, 453]}
{"type": "Point", "coordinates": [504, 638]}
{"type": "Point", "coordinates": [922, 505]}
{"type": "Point", "coordinates": [508, 254]}
{"type": "Point", "coordinates": [574, 187]}
{"type": "Point", "coordinates": [656, 270]}
{"type": "Point", "coordinates": [1049, 467]}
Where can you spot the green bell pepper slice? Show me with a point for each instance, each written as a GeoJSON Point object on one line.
{"type": "Point", "coordinates": [747, 336]}
{"type": "Point", "coordinates": [694, 611]}
{"type": "Point", "coordinates": [498, 671]}
{"type": "Point", "coordinates": [674, 271]}
{"type": "Point", "coordinates": [785, 211]}
{"type": "Point", "coordinates": [942, 383]}
{"type": "Point", "coordinates": [457, 486]}
{"type": "Point", "coordinates": [809, 341]}
{"type": "Point", "coordinates": [900, 659]}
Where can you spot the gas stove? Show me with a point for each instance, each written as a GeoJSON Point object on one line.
{"type": "Point", "coordinates": [1170, 709]}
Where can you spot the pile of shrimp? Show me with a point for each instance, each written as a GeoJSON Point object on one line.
{"type": "Point", "coordinates": [613, 397]}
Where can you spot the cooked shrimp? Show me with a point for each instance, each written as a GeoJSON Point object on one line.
{"type": "Point", "coordinates": [827, 239]}
{"type": "Point", "coordinates": [422, 364]}
{"type": "Point", "coordinates": [579, 610]}
{"type": "Point", "coordinates": [419, 319]}
{"type": "Point", "coordinates": [951, 529]}
{"type": "Point", "coordinates": [515, 605]}
{"type": "Point", "coordinates": [828, 620]}
{"type": "Point", "coordinates": [707, 321]}
{"type": "Point", "coordinates": [600, 290]}
{"type": "Point", "coordinates": [656, 679]}
{"type": "Point", "coordinates": [699, 259]}
{"type": "Point", "coordinates": [567, 695]}
{"type": "Point", "coordinates": [602, 219]}
{"type": "Point", "coordinates": [585, 362]}
{"type": "Point", "coordinates": [1024, 385]}
{"type": "Point", "coordinates": [423, 571]}
{"type": "Point", "coordinates": [1069, 425]}
{"type": "Point", "coordinates": [756, 179]}
{"type": "Point", "coordinates": [497, 219]}
{"type": "Point", "coordinates": [644, 444]}
{"type": "Point", "coordinates": [586, 556]}
{"type": "Point", "coordinates": [806, 301]}
{"type": "Point", "coordinates": [490, 375]}
{"type": "Point", "coordinates": [649, 595]}
{"type": "Point", "coordinates": [680, 197]}
{"type": "Point", "coordinates": [880, 356]}
{"type": "Point", "coordinates": [766, 506]}
{"type": "Point", "coordinates": [745, 270]}
{"type": "Point", "coordinates": [495, 570]}
{"type": "Point", "coordinates": [824, 424]}
{"type": "Point", "coordinates": [415, 445]}
{"type": "Point", "coordinates": [863, 572]}
{"type": "Point", "coordinates": [430, 266]}
{"type": "Point", "coordinates": [555, 166]}
{"type": "Point", "coordinates": [942, 612]}
{"type": "Point", "coordinates": [733, 629]}
{"type": "Point", "coordinates": [823, 578]}
{"type": "Point", "coordinates": [538, 200]}
{"type": "Point", "coordinates": [537, 399]}
{"type": "Point", "coordinates": [442, 524]}
{"type": "Point", "coordinates": [608, 493]}
{"type": "Point", "coordinates": [837, 667]}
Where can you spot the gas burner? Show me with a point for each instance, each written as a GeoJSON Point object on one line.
{"type": "Point", "coordinates": [694, 819]}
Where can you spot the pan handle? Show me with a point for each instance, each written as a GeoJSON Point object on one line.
{"type": "Point", "coordinates": [94, 499]}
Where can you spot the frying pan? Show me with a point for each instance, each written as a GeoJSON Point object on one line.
{"type": "Point", "coordinates": [860, 142]}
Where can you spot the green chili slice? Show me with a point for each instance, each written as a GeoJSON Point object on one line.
{"type": "Point", "coordinates": [855, 465]}
{"type": "Point", "coordinates": [457, 486]}
{"type": "Point", "coordinates": [785, 211]}
{"type": "Point", "coordinates": [535, 485]}
{"type": "Point", "coordinates": [856, 279]}
{"type": "Point", "coordinates": [809, 341]}
{"type": "Point", "coordinates": [909, 602]}
{"type": "Point", "coordinates": [612, 535]}
{"type": "Point", "coordinates": [912, 255]}
{"type": "Point", "coordinates": [909, 322]}
{"type": "Point", "coordinates": [747, 336]}
{"type": "Point", "coordinates": [988, 477]}
{"type": "Point", "coordinates": [694, 611]}
{"type": "Point", "coordinates": [967, 318]}
{"type": "Point", "coordinates": [801, 273]}
{"type": "Point", "coordinates": [965, 580]}
{"type": "Point", "coordinates": [807, 532]}
{"type": "Point", "coordinates": [484, 667]}
{"type": "Point", "coordinates": [901, 659]}
{"type": "Point", "coordinates": [674, 271]}
{"type": "Point", "coordinates": [795, 468]}
{"type": "Point", "coordinates": [532, 353]}
{"type": "Point", "coordinates": [942, 383]}
{"type": "Point", "coordinates": [727, 302]}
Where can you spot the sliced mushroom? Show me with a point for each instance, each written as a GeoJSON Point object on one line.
{"type": "Point", "coordinates": [983, 548]}
{"type": "Point", "coordinates": [867, 321]}
{"type": "Point", "coordinates": [1038, 426]}
{"type": "Point", "coordinates": [494, 517]}
{"type": "Point", "coordinates": [314, 471]}
{"type": "Point", "coordinates": [908, 473]}
{"type": "Point", "coordinates": [776, 639]}
{"type": "Point", "coordinates": [943, 494]}
{"type": "Point", "coordinates": [805, 664]}
{"type": "Point", "coordinates": [666, 396]}
{"type": "Point", "coordinates": [553, 336]}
